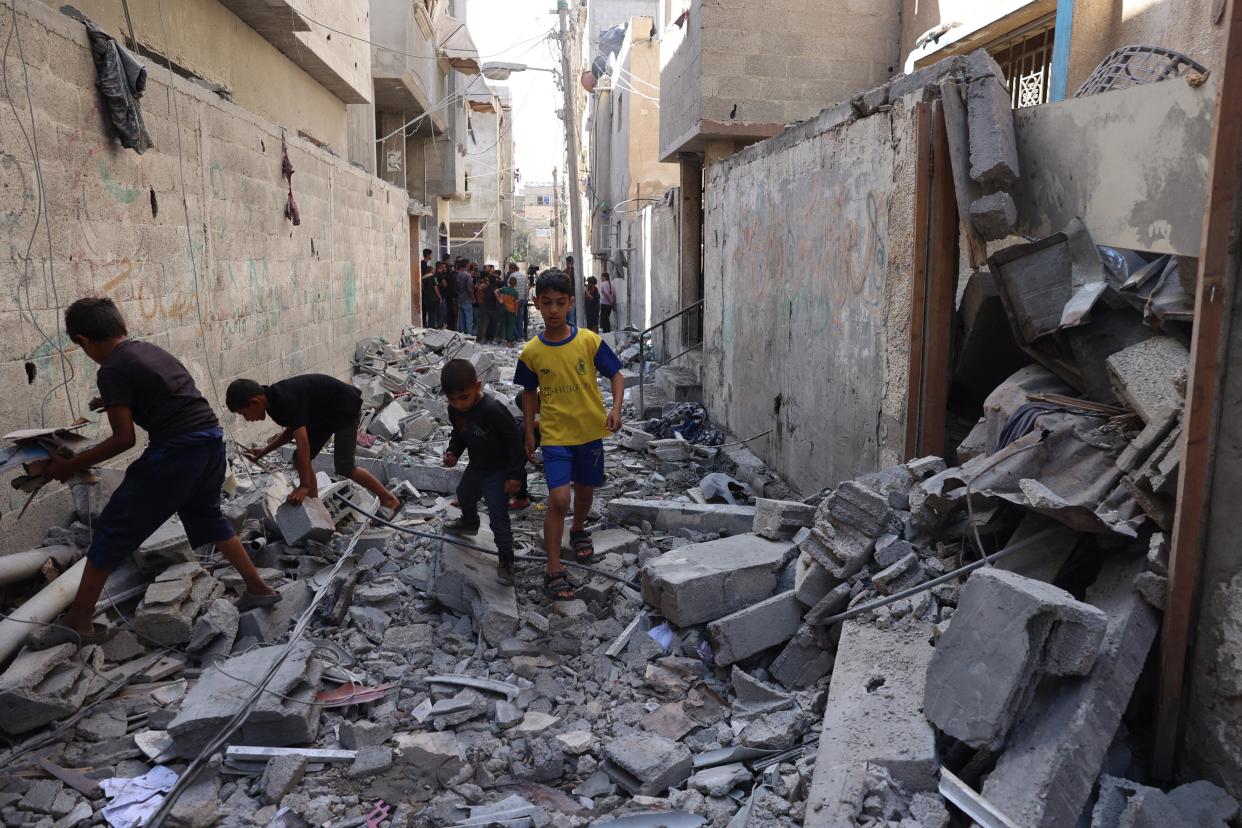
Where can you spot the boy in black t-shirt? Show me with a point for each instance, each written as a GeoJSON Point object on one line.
{"type": "Point", "coordinates": [181, 472]}
{"type": "Point", "coordinates": [485, 428]}
{"type": "Point", "coordinates": [312, 408]}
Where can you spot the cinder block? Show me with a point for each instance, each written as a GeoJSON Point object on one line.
{"type": "Point", "coordinates": [755, 628]}
{"type": "Point", "coordinates": [309, 520]}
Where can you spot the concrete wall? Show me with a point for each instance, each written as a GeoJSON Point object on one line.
{"type": "Point", "coordinates": [650, 291]}
{"type": "Point", "coordinates": [808, 261]}
{"type": "Point", "coordinates": [483, 159]}
{"type": "Point", "coordinates": [213, 42]}
{"type": "Point", "coordinates": [275, 299]}
{"type": "Point", "coordinates": [751, 68]}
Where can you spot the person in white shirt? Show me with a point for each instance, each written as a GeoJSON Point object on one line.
{"type": "Point", "coordinates": [608, 301]}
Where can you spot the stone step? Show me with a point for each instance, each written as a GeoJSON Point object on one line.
{"type": "Point", "coordinates": [679, 385]}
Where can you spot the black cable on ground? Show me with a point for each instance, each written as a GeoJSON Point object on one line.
{"type": "Point", "coordinates": [457, 541]}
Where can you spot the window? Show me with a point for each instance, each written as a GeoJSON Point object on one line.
{"type": "Point", "coordinates": [467, 184]}
{"type": "Point", "coordinates": [1025, 56]}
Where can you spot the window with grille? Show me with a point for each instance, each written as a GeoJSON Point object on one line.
{"type": "Point", "coordinates": [1025, 56]}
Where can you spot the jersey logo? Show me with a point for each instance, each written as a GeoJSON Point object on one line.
{"type": "Point", "coordinates": [545, 370]}
{"type": "Point", "coordinates": [581, 367]}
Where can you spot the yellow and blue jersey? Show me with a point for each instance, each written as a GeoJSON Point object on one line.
{"type": "Point", "coordinates": [571, 409]}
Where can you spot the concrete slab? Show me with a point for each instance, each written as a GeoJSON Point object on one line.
{"type": "Point", "coordinates": [781, 519]}
{"type": "Point", "coordinates": [1008, 631]}
{"type": "Point", "coordinates": [873, 717]}
{"type": "Point", "coordinates": [1054, 754]}
{"type": "Point", "coordinates": [647, 764]}
{"type": "Point", "coordinates": [464, 580]}
{"type": "Point", "coordinates": [755, 628]}
{"type": "Point", "coordinates": [669, 515]}
{"type": "Point", "coordinates": [437, 479]}
{"type": "Point", "coordinates": [307, 521]}
{"type": "Point", "coordinates": [805, 660]}
{"type": "Point", "coordinates": [1146, 376]}
{"type": "Point", "coordinates": [705, 581]}
{"type": "Point", "coordinates": [166, 546]}
{"type": "Point", "coordinates": [42, 686]}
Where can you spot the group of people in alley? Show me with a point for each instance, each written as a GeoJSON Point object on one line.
{"type": "Point", "coordinates": [182, 471]}
{"type": "Point", "coordinates": [459, 295]}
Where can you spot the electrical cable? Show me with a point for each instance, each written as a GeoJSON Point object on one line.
{"type": "Point", "coordinates": [628, 73]}
{"type": "Point", "coordinates": [934, 582]}
{"type": "Point", "coordinates": [391, 50]}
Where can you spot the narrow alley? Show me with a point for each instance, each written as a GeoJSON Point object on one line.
{"type": "Point", "coordinates": [636, 413]}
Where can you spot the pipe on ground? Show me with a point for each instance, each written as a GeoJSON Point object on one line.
{"type": "Point", "coordinates": [22, 565]}
{"type": "Point", "coordinates": [43, 608]}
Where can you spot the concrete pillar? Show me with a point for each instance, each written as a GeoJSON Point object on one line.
{"type": "Point", "coordinates": [392, 150]}
{"type": "Point", "coordinates": [361, 125]}
{"type": "Point", "coordinates": [691, 254]}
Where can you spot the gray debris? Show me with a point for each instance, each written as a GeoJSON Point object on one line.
{"type": "Point", "coordinates": [781, 519]}
{"type": "Point", "coordinates": [306, 521]}
{"type": "Point", "coordinates": [173, 603]}
{"type": "Point", "coordinates": [281, 775]}
{"type": "Point", "coordinates": [647, 764]}
{"type": "Point", "coordinates": [41, 686]}
{"type": "Point", "coordinates": [755, 628]}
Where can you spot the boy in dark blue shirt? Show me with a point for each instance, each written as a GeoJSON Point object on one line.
{"type": "Point", "coordinates": [485, 428]}
{"type": "Point", "coordinates": [181, 472]}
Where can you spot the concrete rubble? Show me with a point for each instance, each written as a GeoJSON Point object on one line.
{"type": "Point", "coordinates": [705, 653]}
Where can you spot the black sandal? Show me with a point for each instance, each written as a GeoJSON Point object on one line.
{"type": "Point", "coordinates": [462, 527]}
{"type": "Point", "coordinates": [556, 586]}
{"type": "Point", "coordinates": [504, 569]}
{"type": "Point", "coordinates": [584, 549]}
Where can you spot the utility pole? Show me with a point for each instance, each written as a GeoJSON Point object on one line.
{"type": "Point", "coordinates": [569, 114]}
{"type": "Point", "coordinates": [556, 221]}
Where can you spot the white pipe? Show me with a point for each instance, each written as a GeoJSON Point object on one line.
{"type": "Point", "coordinates": [22, 565]}
{"type": "Point", "coordinates": [51, 601]}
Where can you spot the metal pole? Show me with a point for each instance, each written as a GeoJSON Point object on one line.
{"type": "Point", "coordinates": [570, 116]}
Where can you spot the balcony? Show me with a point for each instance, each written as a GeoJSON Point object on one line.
{"type": "Point", "coordinates": [405, 71]}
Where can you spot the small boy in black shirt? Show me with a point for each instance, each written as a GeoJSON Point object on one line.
{"type": "Point", "coordinates": [312, 408]}
{"type": "Point", "coordinates": [181, 471]}
{"type": "Point", "coordinates": [484, 427]}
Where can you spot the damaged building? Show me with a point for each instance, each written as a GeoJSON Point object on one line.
{"type": "Point", "coordinates": [919, 515]}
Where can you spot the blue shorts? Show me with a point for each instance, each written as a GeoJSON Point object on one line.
{"type": "Point", "coordinates": [182, 475]}
{"type": "Point", "coordinates": [582, 464]}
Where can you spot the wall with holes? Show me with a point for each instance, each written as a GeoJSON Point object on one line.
{"type": "Point", "coordinates": [808, 244]}
{"type": "Point", "coordinates": [272, 299]}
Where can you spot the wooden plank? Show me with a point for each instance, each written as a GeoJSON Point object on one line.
{"type": "Point", "coordinates": [918, 287]}
{"type": "Point", "coordinates": [1218, 266]}
{"type": "Point", "coordinates": [941, 292]}
{"type": "Point", "coordinates": [87, 787]}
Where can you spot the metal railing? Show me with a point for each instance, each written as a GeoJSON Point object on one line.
{"type": "Point", "coordinates": [642, 357]}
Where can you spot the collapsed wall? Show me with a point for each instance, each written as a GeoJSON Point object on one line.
{"type": "Point", "coordinates": [275, 299]}
{"type": "Point", "coordinates": [808, 255]}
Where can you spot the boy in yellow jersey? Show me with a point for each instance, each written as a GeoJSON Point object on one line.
{"type": "Point", "coordinates": [558, 369]}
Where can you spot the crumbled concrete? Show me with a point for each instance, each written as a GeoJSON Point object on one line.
{"type": "Point", "coordinates": [1147, 376]}
{"type": "Point", "coordinates": [173, 603]}
{"type": "Point", "coordinates": [437, 756]}
{"type": "Point", "coordinates": [781, 519]}
{"type": "Point", "coordinates": [903, 574]}
{"type": "Point", "coordinates": [671, 516]}
{"type": "Point", "coordinates": [427, 478]}
{"type": "Point", "coordinates": [1126, 804]}
{"type": "Point", "coordinates": [1204, 804]}
{"type": "Point", "coordinates": [387, 423]}
{"type": "Point", "coordinates": [1011, 630]}
{"type": "Point", "coordinates": [285, 716]}
{"type": "Point", "coordinates": [994, 216]}
{"type": "Point", "coordinates": [215, 631]}
{"type": "Point", "coordinates": [1055, 752]}
{"type": "Point", "coordinates": [166, 546]}
{"type": "Point", "coordinates": [811, 581]}
{"type": "Point", "coordinates": [281, 775]}
{"type": "Point", "coordinates": [268, 624]}
{"type": "Point", "coordinates": [841, 553]}
{"type": "Point", "coordinates": [465, 580]}
{"type": "Point", "coordinates": [41, 686]}
{"type": "Point", "coordinates": [364, 733]}
{"type": "Point", "coordinates": [647, 764]}
{"type": "Point", "coordinates": [873, 717]}
{"type": "Point", "coordinates": [755, 628]}
{"type": "Point", "coordinates": [306, 521]}
{"type": "Point", "coordinates": [705, 581]}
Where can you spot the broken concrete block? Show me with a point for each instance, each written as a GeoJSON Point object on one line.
{"type": "Point", "coordinates": [842, 553]}
{"type": "Point", "coordinates": [811, 581]}
{"type": "Point", "coordinates": [41, 686]}
{"type": "Point", "coordinates": [635, 439]}
{"type": "Point", "coordinates": [1012, 630]}
{"type": "Point", "coordinates": [833, 602]}
{"type": "Point", "coordinates": [173, 603]}
{"type": "Point", "coordinates": [755, 628]}
{"type": "Point", "coordinates": [873, 717]}
{"type": "Point", "coordinates": [781, 519]}
{"type": "Point", "coordinates": [268, 624]}
{"type": "Point", "coordinates": [1154, 588]}
{"type": "Point", "coordinates": [903, 574]}
{"type": "Point", "coordinates": [282, 774]}
{"type": "Point", "coordinates": [1126, 804]}
{"type": "Point", "coordinates": [438, 479]}
{"type": "Point", "coordinates": [1054, 753]}
{"type": "Point", "coordinates": [215, 630]}
{"type": "Point", "coordinates": [485, 365]}
{"type": "Point", "coordinates": [1147, 375]}
{"type": "Point", "coordinates": [993, 145]}
{"type": "Point", "coordinates": [1043, 559]}
{"type": "Point", "coordinates": [753, 696]}
{"type": "Point", "coordinates": [166, 546]}
{"type": "Point", "coordinates": [647, 764]}
{"type": "Point", "coordinates": [1153, 433]}
{"type": "Point", "coordinates": [670, 516]}
{"type": "Point", "coordinates": [718, 781]}
{"type": "Point", "coordinates": [387, 423]}
{"type": "Point", "coordinates": [1204, 804]}
{"type": "Point", "coordinates": [465, 581]}
{"type": "Point", "coordinates": [436, 756]}
{"type": "Point", "coordinates": [994, 216]}
{"type": "Point", "coordinates": [286, 715]}
{"type": "Point", "coordinates": [364, 733]}
{"type": "Point", "coordinates": [855, 505]}
{"type": "Point", "coordinates": [420, 427]}
{"type": "Point", "coordinates": [670, 451]}
{"type": "Point", "coordinates": [306, 521]}
{"type": "Point", "coordinates": [804, 660]}
{"type": "Point", "coordinates": [440, 340]}
{"type": "Point", "coordinates": [704, 581]}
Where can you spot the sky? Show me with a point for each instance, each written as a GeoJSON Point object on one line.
{"type": "Point", "coordinates": [510, 30]}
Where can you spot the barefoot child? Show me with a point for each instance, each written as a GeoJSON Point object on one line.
{"type": "Point", "coordinates": [181, 471]}
{"type": "Point", "coordinates": [485, 428]}
{"type": "Point", "coordinates": [312, 408]}
{"type": "Point", "coordinates": [558, 369]}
